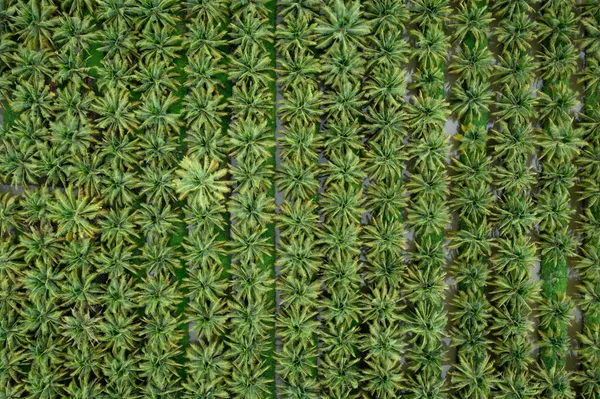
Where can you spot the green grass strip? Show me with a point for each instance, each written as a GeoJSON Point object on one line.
{"type": "Point", "coordinates": [269, 261]}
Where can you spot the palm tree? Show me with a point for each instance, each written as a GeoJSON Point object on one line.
{"type": "Point", "coordinates": [9, 214]}
{"type": "Point", "coordinates": [251, 102]}
{"type": "Point", "coordinates": [251, 140]}
{"type": "Point", "coordinates": [342, 137]}
{"type": "Point", "coordinates": [591, 75]}
{"type": "Point", "coordinates": [118, 40]}
{"type": "Point", "coordinates": [114, 112]}
{"type": "Point", "coordinates": [299, 143]}
{"type": "Point", "coordinates": [344, 103]}
{"type": "Point", "coordinates": [299, 8]}
{"type": "Point", "coordinates": [74, 216]}
{"type": "Point", "coordinates": [387, 85]}
{"type": "Point", "coordinates": [340, 242]}
{"type": "Point", "coordinates": [208, 360]}
{"type": "Point", "coordinates": [249, 244]}
{"type": "Point", "coordinates": [471, 100]}
{"type": "Point", "coordinates": [514, 385]}
{"type": "Point", "coordinates": [554, 383]}
{"type": "Point", "coordinates": [30, 65]}
{"type": "Point", "coordinates": [384, 238]}
{"type": "Point", "coordinates": [258, 7]}
{"type": "Point", "coordinates": [33, 23]}
{"type": "Point", "coordinates": [159, 366]}
{"type": "Point", "coordinates": [251, 66]}
{"type": "Point", "coordinates": [429, 217]}
{"type": "Point", "coordinates": [302, 104]}
{"type": "Point", "coordinates": [430, 154]}
{"type": "Point", "coordinates": [17, 163]}
{"type": "Point", "coordinates": [117, 325]}
{"type": "Point", "coordinates": [157, 185]}
{"type": "Point", "coordinates": [297, 218]}
{"type": "Point", "coordinates": [52, 165]}
{"type": "Point", "coordinates": [298, 256]}
{"type": "Point", "coordinates": [118, 187]}
{"type": "Point", "coordinates": [159, 45]}
{"type": "Point", "coordinates": [208, 318]}
{"type": "Point", "coordinates": [343, 204]}
{"type": "Point", "coordinates": [516, 104]}
{"type": "Point", "coordinates": [43, 283]}
{"type": "Point", "coordinates": [340, 375]}
{"type": "Point", "coordinates": [45, 382]}
{"type": "Point", "coordinates": [386, 16]}
{"type": "Point", "coordinates": [155, 78]}
{"type": "Point", "coordinates": [160, 258]}
{"type": "Point", "coordinates": [203, 109]}
{"type": "Point", "coordinates": [250, 381]}
{"type": "Point", "coordinates": [296, 363]}
{"type": "Point", "coordinates": [516, 69]}
{"type": "Point", "coordinates": [252, 174]}
{"type": "Point", "coordinates": [295, 35]}
{"type": "Point", "coordinates": [248, 29]}
{"type": "Point", "coordinates": [426, 114]}
{"type": "Point", "coordinates": [473, 63]}
{"type": "Point", "coordinates": [384, 199]}
{"type": "Point", "coordinates": [78, 7]}
{"type": "Point", "coordinates": [204, 72]}
{"type": "Point", "coordinates": [159, 150]}
{"type": "Point", "coordinates": [118, 226]}
{"type": "Point", "coordinates": [201, 180]}
{"type": "Point", "coordinates": [425, 285]}
{"type": "Point", "coordinates": [75, 33]}
{"type": "Point", "coordinates": [383, 379]}
{"type": "Point", "coordinates": [252, 209]}
{"type": "Point", "coordinates": [155, 115]}
{"type": "Point", "coordinates": [427, 386]}
{"type": "Point", "coordinates": [205, 217]}
{"type": "Point", "coordinates": [342, 66]}
{"type": "Point", "coordinates": [203, 250]}
{"type": "Point", "coordinates": [472, 21]}
{"type": "Point", "coordinates": [114, 74]}
{"type": "Point", "coordinates": [81, 329]}
{"type": "Point", "coordinates": [86, 172]}
{"type": "Point", "coordinates": [157, 221]}
{"type": "Point", "coordinates": [473, 239]}
{"type": "Point", "coordinates": [205, 40]}
{"type": "Point", "coordinates": [516, 33]}
{"type": "Point", "coordinates": [32, 100]}
{"type": "Point", "coordinates": [116, 12]}
{"type": "Point", "coordinates": [206, 284]}
{"type": "Point", "coordinates": [156, 13]}
{"type": "Point", "coordinates": [431, 47]}
{"type": "Point", "coordinates": [428, 81]}
{"type": "Point", "coordinates": [473, 378]}
{"type": "Point", "coordinates": [208, 11]}
{"type": "Point", "coordinates": [558, 104]}
{"type": "Point", "coordinates": [430, 13]}
{"type": "Point", "coordinates": [299, 68]}
{"type": "Point", "coordinates": [559, 62]}
{"type": "Point", "coordinates": [342, 23]}
{"type": "Point", "coordinates": [160, 330]}
{"type": "Point", "coordinates": [250, 282]}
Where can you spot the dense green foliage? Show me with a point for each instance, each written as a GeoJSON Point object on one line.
{"type": "Point", "coordinates": [269, 199]}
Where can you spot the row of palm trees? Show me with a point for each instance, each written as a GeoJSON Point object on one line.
{"type": "Point", "coordinates": [473, 374]}
{"type": "Point", "coordinates": [299, 257]}
{"type": "Point", "coordinates": [588, 173]}
{"type": "Point", "coordinates": [560, 142]}
{"type": "Point", "coordinates": [517, 253]}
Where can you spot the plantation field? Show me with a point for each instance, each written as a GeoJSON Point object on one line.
{"type": "Point", "coordinates": [299, 199]}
